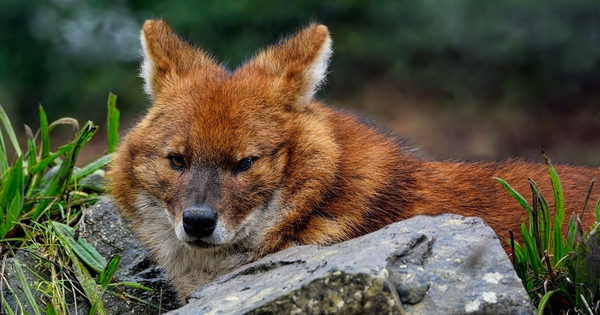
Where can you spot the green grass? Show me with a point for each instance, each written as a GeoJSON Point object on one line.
{"type": "Point", "coordinates": [553, 267]}
{"type": "Point", "coordinates": [42, 196]}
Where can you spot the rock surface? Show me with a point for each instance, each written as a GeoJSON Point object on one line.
{"type": "Point", "coordinates": [107, 231]}
{"type": "Point", "coordinates": [425, 265]}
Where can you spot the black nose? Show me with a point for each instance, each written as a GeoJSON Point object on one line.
{"type": "Point", "coordinates": [199, 222]}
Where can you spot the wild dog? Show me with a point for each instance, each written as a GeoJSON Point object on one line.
{"type": "Point", "coordinates": [228, 166]}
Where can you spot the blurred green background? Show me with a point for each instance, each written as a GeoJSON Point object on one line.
{"type": "Point", "coordinates": [464, 79]}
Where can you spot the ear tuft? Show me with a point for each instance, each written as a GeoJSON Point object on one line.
{"type": "Point", "coordinates": [156, 36]}
{"type": "Point", "coordinates": [165, 57]}
{"type": "Point", "coordinates": [297, 66]}
{"type": "Point", "coordinates": [317, 72]}
{"type": "Point", "coordinates": [147, 65]}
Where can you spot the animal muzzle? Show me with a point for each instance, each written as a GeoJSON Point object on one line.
{"type": "Point", "coordinates": [199, 221]}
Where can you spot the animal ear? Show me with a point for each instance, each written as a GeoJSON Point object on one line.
{"type": "Point", "coordinates": [166, 57]}
{"type": "Point", "coordinates": [296, 66]}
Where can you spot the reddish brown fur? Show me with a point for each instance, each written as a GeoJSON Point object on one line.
{"type": "Point", "coordinates": [320, 175]}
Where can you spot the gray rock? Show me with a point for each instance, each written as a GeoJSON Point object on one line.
{"type": "Point", "coordinates": [10, 284]}
{"type": "Point", "coordinates": [107, 232]}
{"type": "Point", "coordinates": [96, 179]}
{"type": "Point", "coordinates": [425, 265]}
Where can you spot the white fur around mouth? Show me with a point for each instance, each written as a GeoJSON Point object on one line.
{"type": "Point", "coordinates": [202, 244]}
{"type": "Point", "coordinates": [251, 231]}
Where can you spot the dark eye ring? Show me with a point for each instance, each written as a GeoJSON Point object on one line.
{"type": "Point", "coordinates": [244, 165]}
{"type": "Point", "coordinates": [177, 162]}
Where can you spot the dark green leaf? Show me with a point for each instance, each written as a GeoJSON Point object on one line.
{"type": "Point", "coordinates": [88, 284]}
{"type": "Point", "coordinates": [43, 164]}
{"type": "Point", "coordinates": [544, 301]}
{"type": "Point", "coordinates": [515, 194]}
{"type": "Point", "coordinates": [61, 180]}
{"type": "Point", "coordinates": [92, 167]}
{"type": "Point", "coordinates": [45, 134]}
{"type": "Point", "coordinates": [81, 247]}
{"type": "Point", "coordinates": [105, 278]}
{"type": "Point", "coordinates": [31, 158]}
{"type": "Point", "coordinates": [559, 209]}
{"type": "Point", "coordinates": [11, 199]}
{"type": "Point", "coordinates": [113, 123]}
{"type": "Point", "coordinates": [25, 286]}
{"type": "Point", "coordinates": [109, 271]}
{"type": "Point", "coordinates": [5, 121]}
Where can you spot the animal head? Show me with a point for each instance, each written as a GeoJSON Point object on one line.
{"type": "Point", "coordinates": [212, 153]}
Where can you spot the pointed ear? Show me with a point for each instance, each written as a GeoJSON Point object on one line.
{"type": "Point", "coordinates": [297, 66]}
{"type": "Point", "coordinates": [166, 57]}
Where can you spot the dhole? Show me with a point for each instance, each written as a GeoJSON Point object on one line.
{"type": "Point", "coordinates": [228, 166]}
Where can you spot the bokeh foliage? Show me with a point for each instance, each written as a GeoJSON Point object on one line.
{"type": "Point", "coordinates": [68, 54]}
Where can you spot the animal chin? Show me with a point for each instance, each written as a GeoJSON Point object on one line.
{"type": "Point", "coordinates": [202, 244]}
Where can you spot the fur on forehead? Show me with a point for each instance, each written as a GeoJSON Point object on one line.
{"type": "Point", "coordinates": [296, 67]}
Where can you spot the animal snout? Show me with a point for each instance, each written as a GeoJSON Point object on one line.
{"type": "Point", "coordinates": [199, 222]}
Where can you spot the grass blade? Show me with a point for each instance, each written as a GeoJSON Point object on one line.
{"type": "Point", "coordinates": [9, 131]}
{"type": "Point", "coordinates": [109, 271]}
{"type": "Point", "coordinates": [31, 157]}
{"type": "Point", "coordinates": [92, 167]}
{"type": "Point", "coordinates": [105, 278]}
{"type": "Point", "coordinates": [81, 247]}
{"type": "Point", "coordinates": [113, 123]}
{"type": "Point", "coordinates": [88, 284]}
{"type": "Point", "coordinates": [133, 285]}
{"type": "Point", "coordinates": [545, 220]}
{"type": "Point", "coordinates": [8, 310]}
{"type": "Point", "coordinates": [65, 121]}
{"type": "Point", "coordinates": [45, 134]}
{"type": "Point", "coordinates": [25, 287]}
{"type": "Point", "coordinates": [544, 301]}
{"type": "Point", "coordinates": [9, 289]}
{"type": "Point", "coordinates": [61, 180]}
{"type": "Point", "coordinates": [43, 164]}
{"type": "Point", "coordinates": [515, 194]}
{"type": "Point", "coordinates": [571, 238]}
{"type": "Point", "coordinates": [597, 210]}
{"type": "Point", "coordinates": [41, 182]}
{"type": "Point", "coordinates": [563, 270]}
{"type": "Point", "coordinates": [559, 208]}
{"type": "Point", "coordinates": [50, 310]}
{"type": "Point", "coordinates": [13, 213]}
{"type": "Point", "coordinates": [530, 251]}
{"type": "Point", "coordinates": [12, 197]}
{"type": "Point", "coordinates": [587, 199]}
{"type": "Point", "coordinates": [3, 157]}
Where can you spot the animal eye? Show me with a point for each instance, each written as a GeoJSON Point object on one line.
{"type": "Point", "coordinates": [243, 165]}
{"type": "Point", "coordinates": [176, 161]}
